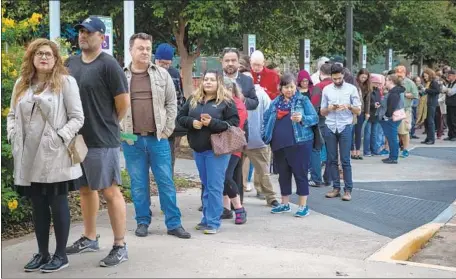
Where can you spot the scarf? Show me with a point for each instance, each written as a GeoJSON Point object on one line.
{"type": "Point", "coordinates": [284, 108]}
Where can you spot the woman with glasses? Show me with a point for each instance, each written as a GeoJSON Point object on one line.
{"type": "Point", "coordinates": [210, 110]}
{"type": "Point", "coordinates": [45, 115]}
{"type": "Point", "coordinates": [287, 127]}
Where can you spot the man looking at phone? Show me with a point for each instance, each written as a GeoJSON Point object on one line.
{"type": "Point", "coordinates": [339, 102]}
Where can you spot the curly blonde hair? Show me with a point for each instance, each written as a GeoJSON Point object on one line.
{"type": "Point", "coordinates": [28, 70]}
{"type": "Point", "coordinates": [222, 92]}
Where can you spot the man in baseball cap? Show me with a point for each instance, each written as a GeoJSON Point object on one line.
{"type": "Point", "coordinates": [92, 24]}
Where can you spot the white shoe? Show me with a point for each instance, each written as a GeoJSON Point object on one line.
{"type": "Point", "coordinates": [249, 187]}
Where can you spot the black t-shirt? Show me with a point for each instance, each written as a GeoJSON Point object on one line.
{"type": "Point", "coordinates": [99, 82]}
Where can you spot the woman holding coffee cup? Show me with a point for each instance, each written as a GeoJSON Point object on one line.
{"type": "Point", "coordinates": [288, 128]}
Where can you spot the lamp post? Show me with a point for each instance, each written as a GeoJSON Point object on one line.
{"type": "Point", "coordinates": [349, 36]}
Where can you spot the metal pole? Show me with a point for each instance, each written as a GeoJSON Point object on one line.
{"type": "Point", "coordinates": [349, 36]}
{"type": "Point", "coordinates": [129, 28]}
{"type": "Point", "coordinates": [54, 20]}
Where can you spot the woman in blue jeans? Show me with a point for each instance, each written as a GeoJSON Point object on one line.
{"type": "Point", "coordinates": [365, 89]}
{"type": "Point", "coordinates": [288, 128]}
{"type": "Point", "coordinates": [209, 111]}
{"type": "Point", "coordinates": [390, 104]}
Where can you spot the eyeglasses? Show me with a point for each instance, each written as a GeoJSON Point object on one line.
{"type": "Point", "coordinates": [47, 55]}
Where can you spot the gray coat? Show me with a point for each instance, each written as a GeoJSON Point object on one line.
{"type": "Point", "coordinates": [38, 151]}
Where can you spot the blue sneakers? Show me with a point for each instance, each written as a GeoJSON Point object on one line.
{"type": "Point", "coordinates": [384, 152]}
{"type": "Point", "coordinates": [303, 211]}
{"type": "Point", "coordinates": [282, 208]}
{"type": "Point", "coordinates": [405, 153]}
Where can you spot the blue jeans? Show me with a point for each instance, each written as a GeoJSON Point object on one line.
{"type": "Point", "coordinates": [249, 177]}
{"type": "Point", "coordinates": [356, 133]}
{"type": "Point", "coordinates": [380, 137]}
{"type": "Point", "coordinates": [144, 153]}
{"type": "Point", "coordinates": [412, 130]}
{"type": "Point", "coordinates": [212, 170]}
{"type": "Point", "coordinates": [339, 143]}
{"type": "Point", "coordinates": [371, 144]}
{"type": "Point", "coordinates": [390, 129]}
{"type": "Point", "coordinates": [317, 157]}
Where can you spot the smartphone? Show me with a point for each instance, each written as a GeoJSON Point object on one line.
{"type": "Point", "coordinates": [205, 115]}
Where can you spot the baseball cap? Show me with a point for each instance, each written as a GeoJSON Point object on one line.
{"type": "Point", "coordinates": [451, 72]}
{"type": "Point", "coordinates": [92, 24]}
{"type": "Point", "coordinates": [337, 60]}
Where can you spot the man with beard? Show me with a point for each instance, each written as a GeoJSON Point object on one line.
{"type": "Point", "coordinates": [340, 101]}
{"type": "Point", "coordinates": [104, 94]}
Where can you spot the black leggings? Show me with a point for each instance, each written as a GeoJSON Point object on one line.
{"type": "Point", "coordinates": [231, 188]}
{"type": "Point", "coordinates": [43, 206]}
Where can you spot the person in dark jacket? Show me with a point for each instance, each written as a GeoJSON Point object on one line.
{"type": "Point", "coordinates": [450, 102]}
{"type": "Point", "coordinates": [432, 91]}
{"type": "Point", "coordinates": [209, 111]}
{"type": "Point", "coordinates": [230, 65]}
{"type": "Point", "coordinates": [164, 58]}
{"type": "Point", "coordinates": [390, 127]}
{"type": "Point", "coordinates": [372, 127]}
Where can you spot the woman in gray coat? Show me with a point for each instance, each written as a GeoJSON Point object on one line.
{"type": "Point", "coordinates": [45, 115]}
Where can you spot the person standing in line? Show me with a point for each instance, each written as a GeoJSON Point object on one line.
{"type": "Point", "coordinates": [105, 100]}
{"type": "Point", "coordinates": [411, 93]}
{"type": "Point", "coordinates": [390, 126]}
{"type": "Point", "coordinates": [432, 91]}
{"type": "Point", "coordinates": [450, 102]}
{"type": "Point", "coordinates": [319, 157]}
{"type": "Point", "coordinates": [370, 144]}
{"type": "Point", "coordinates": [257, 151]}
{"type": "Point", "coordinates": [266, 78]}
{"type": "Point", "coordinates": [210, 110]}
{"type": "Point", "coordinates": [339, 102]}
{"type": "Point", "coordinates": [231, 189]}
{"type": "Point", "coordinates": [230, 65]}
{"type": "Point", "coordinates": [415, 102]}
{"type": "Point", "coordinates": [45, 114]}
{"type": "Point", "coordinates": [151, 117]}
{"type": "Point", "coordinates": [288, 129]}
{"type": "Point", "coordinates": [164, 58]}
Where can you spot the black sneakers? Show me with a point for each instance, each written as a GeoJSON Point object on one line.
{"type": "Point", "coordinates": [83, 245]}
{"type": "Point", "coordinates": [142, 230]}
{"type": "Point", "coordinates": [57, 263]}
{"type": "Point", "coordinates": [36, 262]}
{"type": "Point", "coordinates": [227, 214]}
{"type": "Point", "coordinates": [117, 255]}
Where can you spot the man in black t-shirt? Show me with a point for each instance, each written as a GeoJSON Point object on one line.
{"type": "Point", "coordinates": [105, 100]}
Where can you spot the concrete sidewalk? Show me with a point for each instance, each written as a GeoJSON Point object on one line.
{"type": "Point", "coordinates": [267, 246]}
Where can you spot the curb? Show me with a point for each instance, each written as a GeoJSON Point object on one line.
{"type": "Point", "coordinates": [402, 248]}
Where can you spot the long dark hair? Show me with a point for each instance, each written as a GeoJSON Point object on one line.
{"type": "Point", "coordinates": [366, 87]}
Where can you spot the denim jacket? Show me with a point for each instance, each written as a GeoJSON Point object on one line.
{"type": "Point", "coordinates": [302, 130]}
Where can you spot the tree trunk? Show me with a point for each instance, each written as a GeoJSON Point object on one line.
{"type": "Point", "coordinates": [187, 59]}
{"type": "Point", "coordinates": [187, 74]}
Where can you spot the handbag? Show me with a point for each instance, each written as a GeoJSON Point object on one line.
{"type": "Point", "coordinates": [399, 115]}
{"type": "Point", "coordinates": [77, 148]}
{"type": "Point", "coordinates": [230, 141]}
{"type": "Point", "coordinates": [318, 141]}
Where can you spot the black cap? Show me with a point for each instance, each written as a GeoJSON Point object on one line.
{"type": "Point", "coordinates": [337, 59]}
{"type": "Point", "coordinates": [451, 72]}
{"type": "Point", "coordinates": [92, 24]}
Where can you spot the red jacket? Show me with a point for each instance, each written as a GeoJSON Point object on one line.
{"type": "Point", "coordinates": [242, 111]}
{"type": "Point", "coordinates": [316, 98]}
{"type": "Point", "coordinates": [269, 80]}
